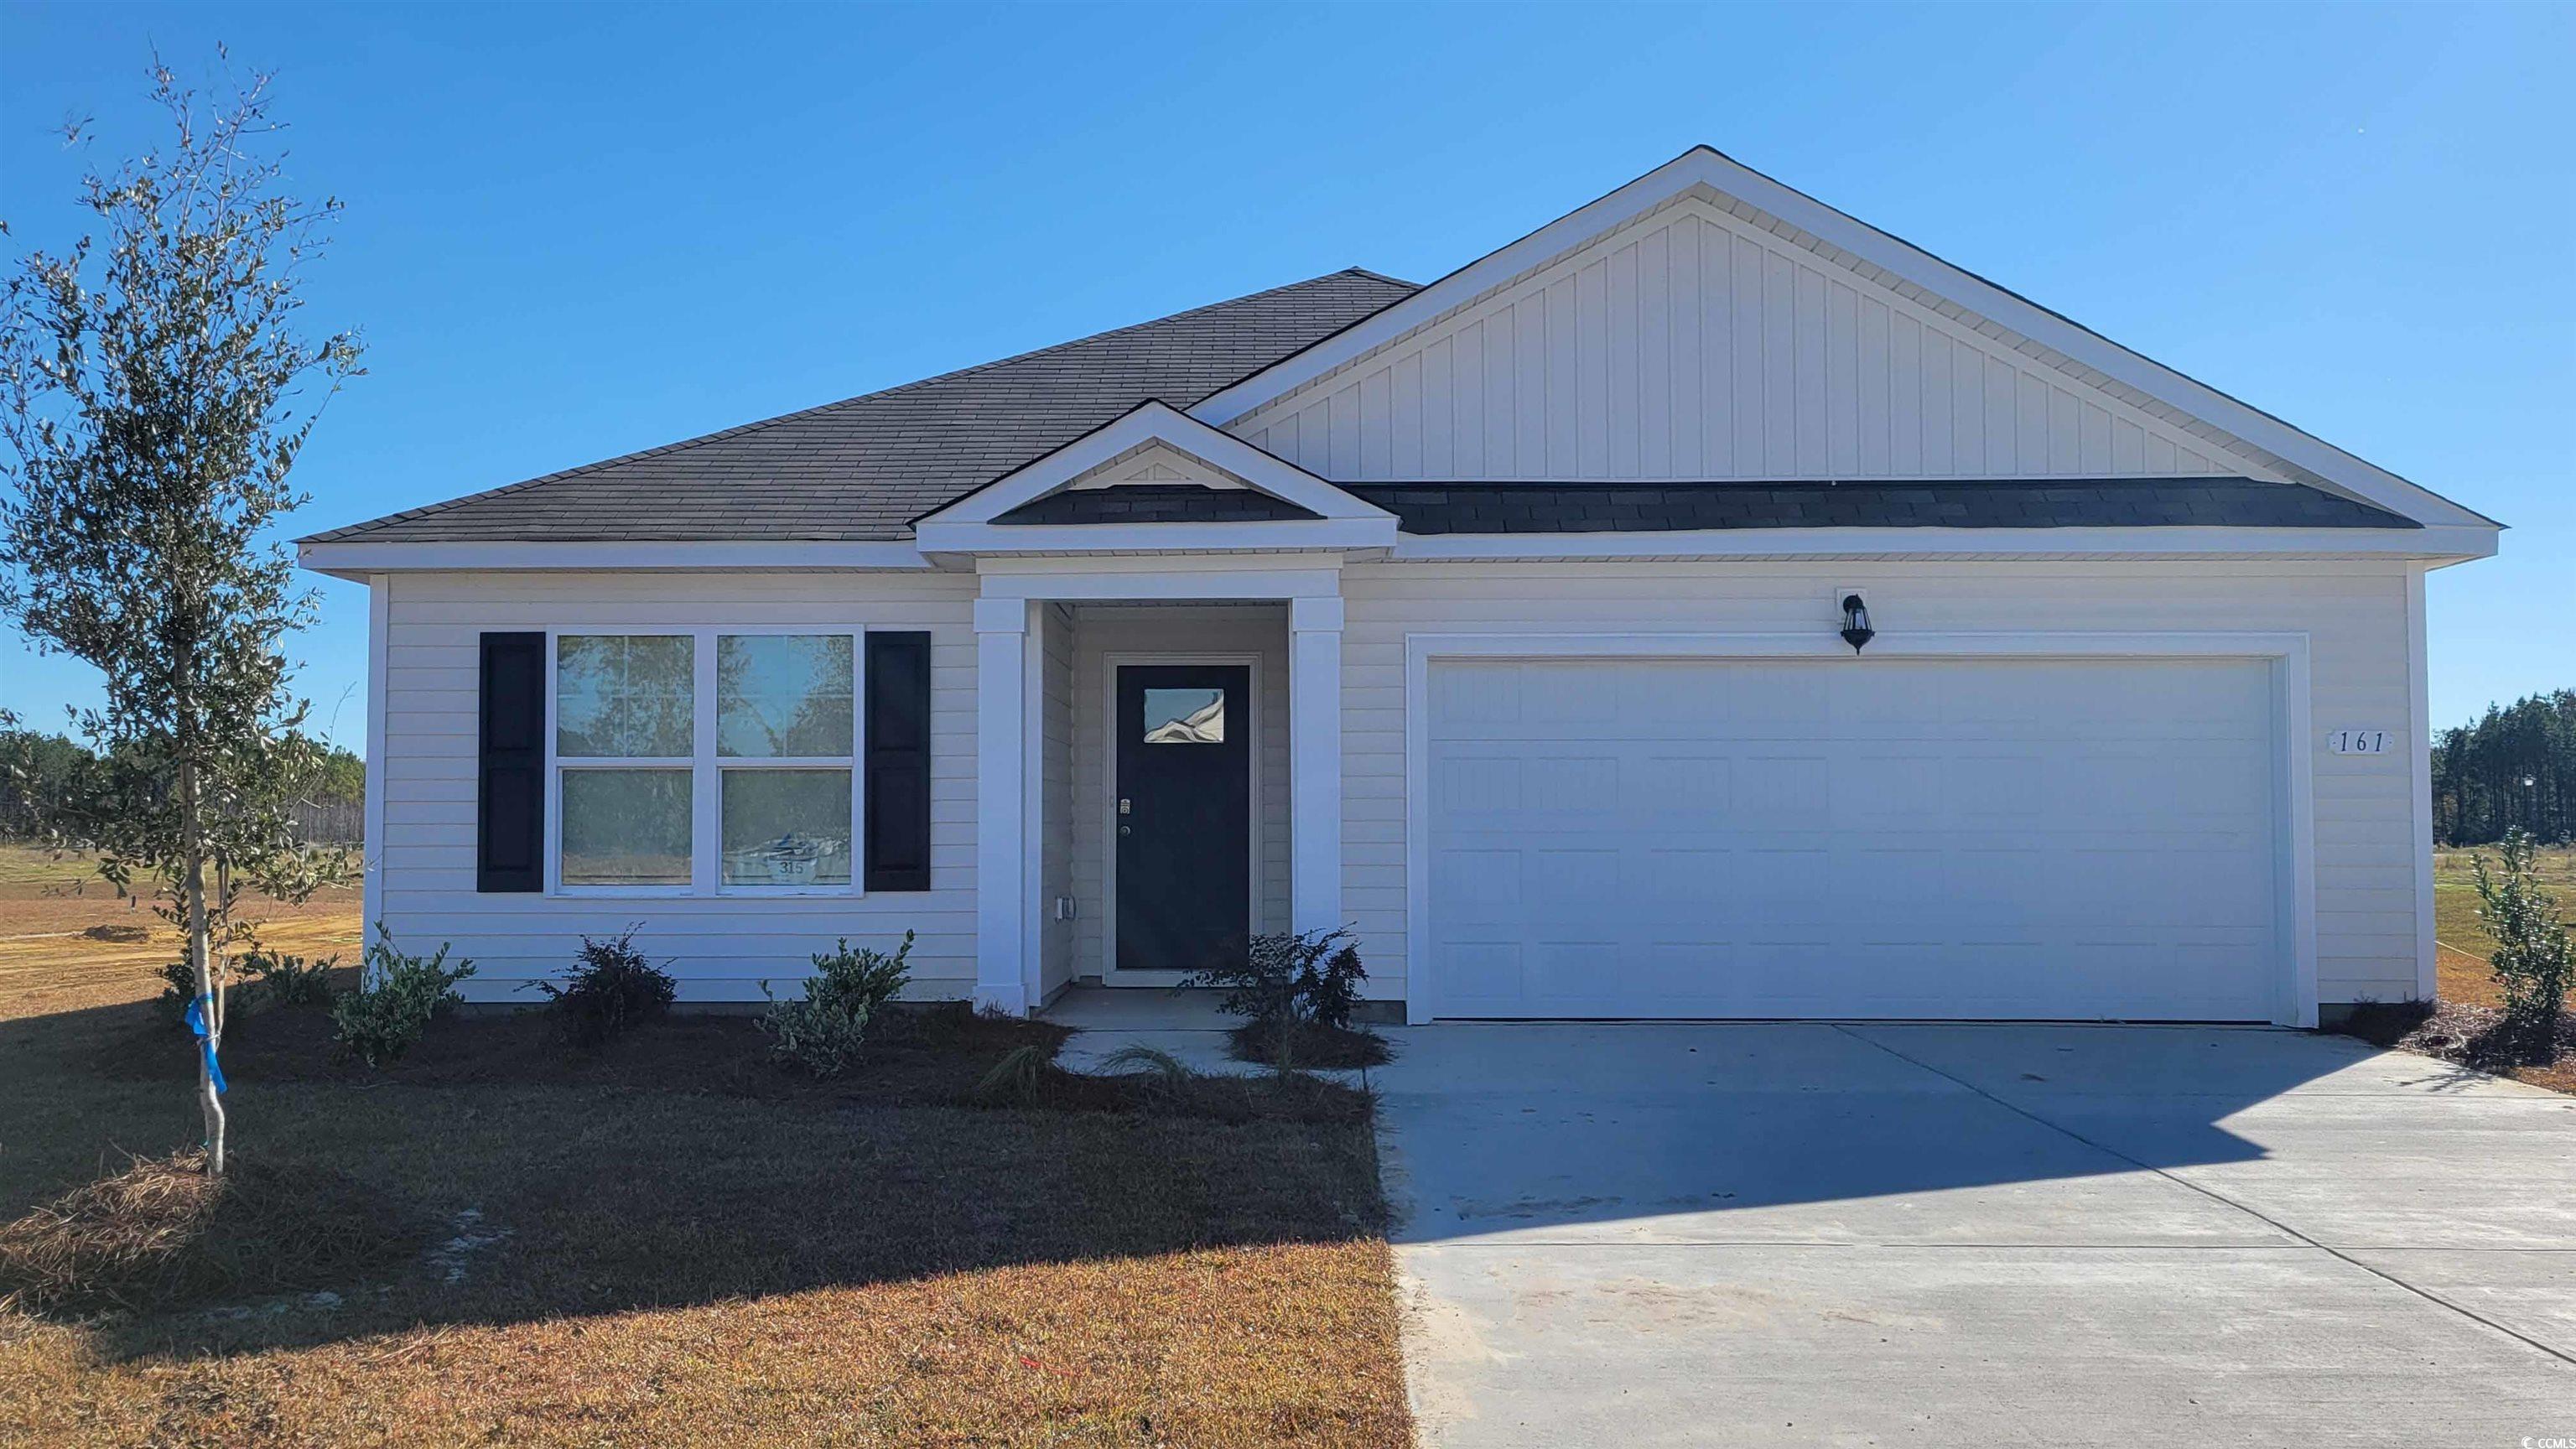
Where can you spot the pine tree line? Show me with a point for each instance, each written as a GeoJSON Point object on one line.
{"type": "Point", "coordinates": [46, 778]}
{"type": "Point", "coordinates": [2514, 767]}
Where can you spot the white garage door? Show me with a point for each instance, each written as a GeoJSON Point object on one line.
{"type": "Point", "coordinates": [1854, 838]}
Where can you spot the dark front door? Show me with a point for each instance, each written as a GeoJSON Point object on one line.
{"type": "Point", "coordinates": [1184, 821]}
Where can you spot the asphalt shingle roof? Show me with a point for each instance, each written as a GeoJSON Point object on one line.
{"type": "Point", "coordinates": [864, 468]}
{"type": "Point", "coordinates": [2206, 502]}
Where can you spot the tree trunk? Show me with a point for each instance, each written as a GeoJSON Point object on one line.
{"type": "Point", "coordinates": [192, 898]}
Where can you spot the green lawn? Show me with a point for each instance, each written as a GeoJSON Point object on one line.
{"type": "Point", "coordinates": [2466, 944]}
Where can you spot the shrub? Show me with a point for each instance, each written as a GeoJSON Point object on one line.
{"type": "Point", "coordinates": [1157, 1068]}
{"type": "Point", "coordinates": [260, 978]}
{"type": "Point", "coordinates": [2532, 958]}
{"type": "Point", "coordinates": [181, 988]}
{"type": "Point", "coordinates": [1019, 1079]}
{"type": "Point", "coordinates": [1329, 984]}
{"type": "Point", "coordinates": [820, 1033]}
{"type": "Point", "coordinates": [1309, 977]}
{"type": "Point", "coordinates": [396, 999]}
{"type": "Point", "coordinates": [284, 980]}
{"type": "Point", "coordinates": [611, 989]}
{"type": "Point", "coordinates": [1159, 1077]}
{"type": "Point", "coordinates": [1293, 986]}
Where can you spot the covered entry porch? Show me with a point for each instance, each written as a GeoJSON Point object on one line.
{"type": "Point", "coordinates": [1158, 766]}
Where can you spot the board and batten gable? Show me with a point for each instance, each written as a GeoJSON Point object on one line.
{"type": "Point", "coordinates": [721, 947]}
{"type": "Point", "coordinates": [2365, 822]}
{"type": "Point", "coordinates": [1691, 343]}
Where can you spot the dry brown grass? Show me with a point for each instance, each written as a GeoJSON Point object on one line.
{"type": "Point", "coordinates": [67, 942]}
{"type": "Point", "coordinates": [1240, 1346]}
{"type": "Point", "coordinates": [165, 1234]}
{"type": "Point", "coordinates": [665, 1250]}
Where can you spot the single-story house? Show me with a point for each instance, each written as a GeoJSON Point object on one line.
{"type": "Point", "coordinates": [1707, 605]}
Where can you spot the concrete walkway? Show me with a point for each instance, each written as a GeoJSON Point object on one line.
{"type": "Point", "coordinates": [1185, 1025]}
{"type": "Point", "coordinates": [1974, 1235]}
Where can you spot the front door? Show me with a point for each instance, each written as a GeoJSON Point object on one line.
{"type": "Point", "coordinates": [1184, 814]}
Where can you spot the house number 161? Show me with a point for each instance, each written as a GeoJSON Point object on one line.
{"type": "Point", "coordinates": [2358, 742]}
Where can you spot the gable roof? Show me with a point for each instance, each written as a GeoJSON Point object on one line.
{"type": "Point", "coordinates": [1325, 516]}
{"type": "Point", "coordinates": [887, 470]}
{"type": "Point", "coordinates": [864, 468]}
{"type": "Point", "coordinates": [1153, 425]}
{"type": "Point", "coordinates": [2256, 440]}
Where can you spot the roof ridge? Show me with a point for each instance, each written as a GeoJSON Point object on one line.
{"type": "Point", "coordinates": [2039, 480]}
{"type": "Point", "coordinates": [739, 429]}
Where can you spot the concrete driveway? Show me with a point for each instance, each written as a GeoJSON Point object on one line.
{"type": "Point", "coordinates": [1975, 1235]}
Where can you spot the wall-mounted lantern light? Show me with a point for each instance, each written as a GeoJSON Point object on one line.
{"type": "Point", "coordinates": [1856, 630]}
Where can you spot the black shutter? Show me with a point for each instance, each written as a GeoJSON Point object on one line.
{"type": "Point", "coordinates": [510, 804]}
{"type": "Point", "coordinates": [897, 780]}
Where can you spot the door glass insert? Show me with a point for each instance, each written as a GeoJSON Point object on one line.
{"type": "Point", "coordinates": [1185, 716]}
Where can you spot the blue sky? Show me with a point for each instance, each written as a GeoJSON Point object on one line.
{"type": "Point", "coordinates": [578, 230]}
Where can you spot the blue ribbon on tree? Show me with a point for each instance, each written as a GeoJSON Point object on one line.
{"type": "Point", "coordinates": [205, 1039]}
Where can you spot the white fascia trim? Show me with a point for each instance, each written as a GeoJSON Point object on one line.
{"type": "Point", "coordinates": [2444, 543]}
{"type": "Point", "coordinates": [356, 558]}
{"type": "Point", "coordinates": [1128, 538]}
{"type": "Point", "coordinates": [1155, 422]}
{"type": "Point", "coordinates": [1461, 286]}
{"type": "Point", "coordinates": [2296, 999]}
{"type": "Point", "coordinates": [1157, 585]}
{"type": "Point", "coordinates": [1705, 167]}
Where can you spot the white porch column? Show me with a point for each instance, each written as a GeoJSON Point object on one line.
{"type": "Point", "coordinates": [1004, 836]}
{"type": "Point", "coordinates": [1315, 762]}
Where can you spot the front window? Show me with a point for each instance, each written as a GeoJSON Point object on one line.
{"type": "Point", "coordinates": [624, 707]}
{"type": "Point", "coordinates": [626, 827]}
{"type": "Point", "coordinates": [788, 702]}
{"type": "Point", "coordinates": [753, 792]}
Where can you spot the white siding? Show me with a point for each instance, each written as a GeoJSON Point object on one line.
{"type": "Point", "coordinates": [1102, 630]}
{"type": "Point", "coordinates": [720, 947]}
{"type": "Point", "coordinates": [1694, 344]}
{"type": "Point", "coordinates": [2354, 614]}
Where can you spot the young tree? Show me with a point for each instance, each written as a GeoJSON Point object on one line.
{"type": "Point", "coordinates": [2533, 958]}
{"type": "Point", "coordinates": [152, 413]}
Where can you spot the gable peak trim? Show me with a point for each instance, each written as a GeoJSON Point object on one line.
{"type": "Point", "coordinates": [1148, 424]}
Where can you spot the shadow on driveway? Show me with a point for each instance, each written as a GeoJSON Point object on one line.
{"type": "Point", "coordinates": [1798, 1233]}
